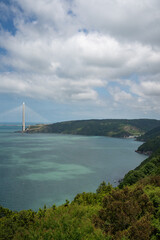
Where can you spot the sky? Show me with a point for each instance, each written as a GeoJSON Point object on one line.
{"type": "Point", "coordinates": [78, 59]}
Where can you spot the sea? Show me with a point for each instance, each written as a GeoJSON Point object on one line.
{"type": "Point", "coordinates": [45, 169]}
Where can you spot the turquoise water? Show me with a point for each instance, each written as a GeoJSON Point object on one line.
{"type": "Point", "coordinates": [38, 169]}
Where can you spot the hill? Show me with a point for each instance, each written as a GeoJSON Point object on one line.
{"type": "Point", "coordinates": [131, 213]}
{"type": "Point", "coordinates": [150, 166]}
{"type": "Point", "coordinates": [150, 146]}
{"type": "Point", "coordinates": [153, 133]}
{"type": "Point", "coordinates": [106, 127]}
{"type": "Point", "coordinates": [128, 212]}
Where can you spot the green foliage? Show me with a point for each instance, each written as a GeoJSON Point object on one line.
{"type": "Point", "coordinates": [153, 133]}
{"type": "Point", "coordinates": [130, 178]}
{"type": "Point", "coordinates": [10, 224]}
{"type": "Point", "coordinates": [130, 212]}
{"type": "Point", "coordinates": [156, 225]}
{"type": "Point", "coordinates": [141, 229]}
{"type": "Point", "coordinates": [73, 222]}
{"type": "Point", "coordinates": [150, 166]}
{"type": "Point", "coordinates": [126, 213]}
{"type": "Point", "coordinates": [41, 213]}
{"type": "Point", "coordinates": [104, 188]}
{"type": "Point", "coordinates": [151, 145]}
{"type": "Point", "coordinates": [109, 214]}
{"type": "Point", "coordinates": [151, 186]}
{"type": "Point", "coordinates": [105, 127]}
{"type": "Point", "coordinates": [66, 203]}
{"type": "Point", "coordinates": [94, 198]}
{"type": "Point", "coordinates": [86, 199]}
{"type": "Point", "coordinates": [5, 212]}
{"type": "Point", "coordinates": [54, 207]}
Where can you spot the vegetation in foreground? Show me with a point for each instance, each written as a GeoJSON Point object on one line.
{"type": "Point", "coordinates": [110, 213]}
{"type": "Point", "coordinates": [130, 211]}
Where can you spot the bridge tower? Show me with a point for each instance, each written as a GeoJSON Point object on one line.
{"type": "Point", "coordinates": [23, 117]}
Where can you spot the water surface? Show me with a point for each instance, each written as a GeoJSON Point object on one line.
{"type": "Point", "coordinates": [38, 169]}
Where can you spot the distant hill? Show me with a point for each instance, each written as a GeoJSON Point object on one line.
{"type": "Point", "coordinates": [106, 127]}
{"type": "Point", "coordinates": [155, 132]}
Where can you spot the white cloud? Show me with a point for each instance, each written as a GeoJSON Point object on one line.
{"type": "Point", "coordinates": [120, 95]}
{"type": "Point", "coordinates": [64, 50]}
{"type": "Point", "coordinates": [151, 88]}
{"type": "Point", "coordinates": [130, 20]}
{"type": "Point", "coordinates": [48, 87]}
{"type": "Point", "coordinates": [3, 9]}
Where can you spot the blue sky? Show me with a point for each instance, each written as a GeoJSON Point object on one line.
{"type": "Point", "coordinates": [79, 59]}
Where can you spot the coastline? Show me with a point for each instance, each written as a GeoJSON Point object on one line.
{"type": "Point", "coordinates": [103, 140]}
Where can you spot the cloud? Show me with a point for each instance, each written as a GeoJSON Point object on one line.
{"type": "Point", "coordinates": [126, 20]}
{"type": "Point", "coordinates": [120, 95]}
{"type": "Point", "coordinates": [60, 90]}
{"type": "Point", "coordinates": [3, 9]}
{"type": "Point", "coordinates": [66, 50]}
{"type": "Point", "coordinates": [151, 88]}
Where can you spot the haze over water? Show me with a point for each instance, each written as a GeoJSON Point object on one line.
{"type": "Point", "coordinates": [38, 169]}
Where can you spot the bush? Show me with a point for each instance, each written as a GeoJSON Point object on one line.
{"type": "Point", "coordinates": [123, 210]}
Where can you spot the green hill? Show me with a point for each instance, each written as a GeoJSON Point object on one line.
{"type": "Point", "coordinates": [150, 166]}
{"type": "Point", "coordinates": [150, 146]}
{"type": "Point", "coordinates": [155, 132]}
{"type": "Point", "coordinates": [130, 211]}
{"type": "Point", "coordinates": [105, 127]}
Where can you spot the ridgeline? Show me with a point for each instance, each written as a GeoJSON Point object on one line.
{"type": "Point", "coordinates": [130, 211]}
{"type": "Point", "coordinates": [106, 127]}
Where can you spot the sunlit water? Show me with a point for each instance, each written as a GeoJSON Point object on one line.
{"type": "Point", "coordinates": [38, 169]}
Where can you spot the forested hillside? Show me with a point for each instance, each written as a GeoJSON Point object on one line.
{"type": "Point", "coordinates": [153, 133]}
{"type": "Point", "coordinates": [150, 146]}
{"type": "Point", "coordinates": [151, 166]}
{"type": "Point", "coordinates": [130, 211]}
{"type": "Point", "coordinates": [106, 127]}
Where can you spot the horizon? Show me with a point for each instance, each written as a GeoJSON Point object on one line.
{"type": "Point", "coordinates": [72, 59]}
{"type": "Point", "coordinates": [89, 119]}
